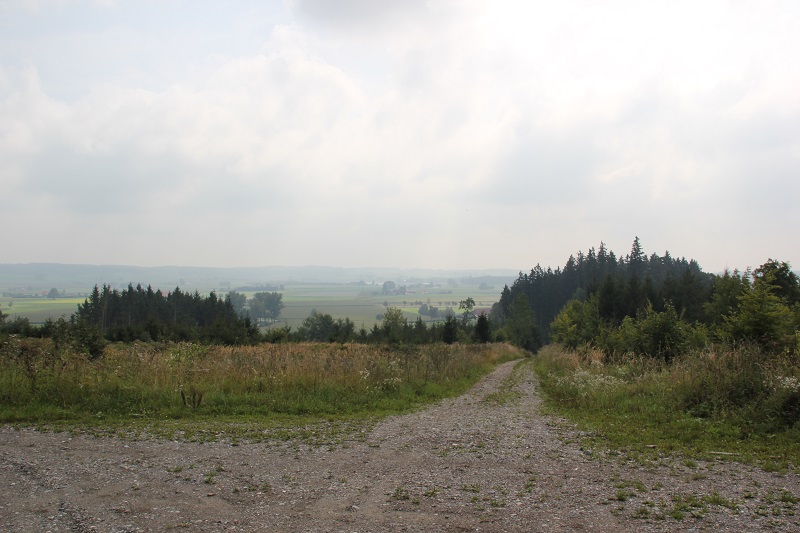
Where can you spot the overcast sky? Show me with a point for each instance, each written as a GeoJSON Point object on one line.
{"type": "Point", "coordinates": [402, 133]}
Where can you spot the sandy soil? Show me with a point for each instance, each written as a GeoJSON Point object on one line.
{"type": "Point", "coordinates": [486, 461]}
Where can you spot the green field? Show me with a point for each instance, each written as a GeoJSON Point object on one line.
{"type": "Point", "coordinates": [359, 302]}
{"type": "Point", "coordinates": [38, 310]}
{"type": "Point", "coordinates": [362, 303]}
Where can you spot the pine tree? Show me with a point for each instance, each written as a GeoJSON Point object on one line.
{"type": "Point", "coordinates": [482, 329]}
{"type": "Point", "coordinates": [450, 330]}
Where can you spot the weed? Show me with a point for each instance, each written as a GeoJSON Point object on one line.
{"type": "Point", "coordinates": [687, 503]}
{"type": "Point", "coordinates": [622, 495]}
{"type": "Point", "coordinates": [471, 488]}
{"type": "Point", "coordinates": [677, 514]}
{"type": "Point", "coordinates": [716, 499]}
{"type": "Point", "coordinates": [401, 493]}
{"type": "Point", "coordinates": [635, 484]}
{"type": "Point", "coordinates": [529, 485]}
{"type": "Point", "coordinates": [193, 398]}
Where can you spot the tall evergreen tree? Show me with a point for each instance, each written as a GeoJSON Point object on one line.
{"type": "Point", "coordinates": [483, 329]}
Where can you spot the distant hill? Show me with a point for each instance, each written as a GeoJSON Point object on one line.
{"type": "Point", "coordinates": [43, 276]}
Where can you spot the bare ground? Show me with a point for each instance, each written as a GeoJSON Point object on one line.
{"type": "Point", "coordinates": [486, 461]}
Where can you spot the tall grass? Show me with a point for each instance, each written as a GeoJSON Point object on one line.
{"type": "Point", "coordinates": [742, 402]}
{"type": "Point", "coordinates": [40, 382]}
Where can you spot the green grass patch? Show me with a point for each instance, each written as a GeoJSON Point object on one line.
{"type": "Point", "coordinates": [38, 310]}
{"type": "Point", "coordinates": [734, 405]}
{"type": "Point", "coordinates": [507, 391]}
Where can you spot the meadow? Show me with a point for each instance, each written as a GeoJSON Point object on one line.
{"type": "Point", "coordinates": [44, 382]}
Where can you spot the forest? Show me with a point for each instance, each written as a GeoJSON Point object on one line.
{"type": "Point", "coordinates": [655, 305]}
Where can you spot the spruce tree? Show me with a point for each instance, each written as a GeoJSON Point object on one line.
{"type": "Point", "coordinates": [482, 329]}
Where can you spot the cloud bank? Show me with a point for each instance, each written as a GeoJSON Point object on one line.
{"type": "Point", "coordinates": [410, 134]}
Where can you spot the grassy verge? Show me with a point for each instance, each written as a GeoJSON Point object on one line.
{"type": "Point", "coordinates": [286, 387]}
{"type": "Point", "coordinates": [740, 405]}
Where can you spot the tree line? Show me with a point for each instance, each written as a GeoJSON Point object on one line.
{"type": "Point", "coordinates": [658, 305]}
{"type": "Point", "coordinates": [147, 315]}
{"type": "Point", "coordinates": [139, 314]}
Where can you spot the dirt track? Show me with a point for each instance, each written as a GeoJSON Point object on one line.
{"type": "Point", "coordinates": [486, 461]}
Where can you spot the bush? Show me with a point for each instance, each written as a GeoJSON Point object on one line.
{"type": "Point", "coordinates": [662, 335]}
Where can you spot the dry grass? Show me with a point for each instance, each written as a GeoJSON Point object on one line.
{"type": "Point", "coordinates": [182, 379]}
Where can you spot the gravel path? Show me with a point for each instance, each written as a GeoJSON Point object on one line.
{"type": "Point", "coordinates": [486, 461]}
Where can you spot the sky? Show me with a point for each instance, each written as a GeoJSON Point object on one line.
{"type": "Point", "coordinates": [402, 133]}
